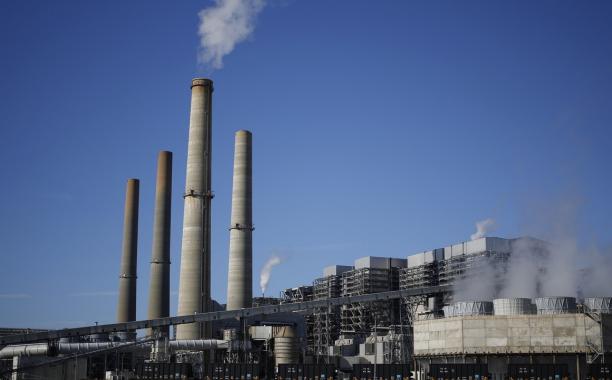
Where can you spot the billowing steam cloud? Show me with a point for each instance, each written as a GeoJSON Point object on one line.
{"type": "Point", "coordinates": [536, 269]}
{"type": "Point", "coordinates": [224, 25]}
{"type": "Point", "coordinates": [266, 272]}
{"type": "Point", "coordinates": [482, 228]}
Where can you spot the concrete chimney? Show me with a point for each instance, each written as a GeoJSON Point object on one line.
{"type": "Point", "coordinates": [194, 282]}
{"type": "Point", "coordinates": [159, 286]}
{"type": "Point", "coordinates": [126, 308]}
{"type": "Point", "coordinates": [240, 274]}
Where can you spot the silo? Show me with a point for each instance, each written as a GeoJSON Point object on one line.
{"type": "Point", "coordinates": [599, 304]}
{"type": "Point", "coordinates": [468, 308]}
{"type": "Point", "coordinates": [556, 305]}
{"type": "Point", "coordinates": [285, 350]}
{"type": "Point", "coordinates": [512, 306]}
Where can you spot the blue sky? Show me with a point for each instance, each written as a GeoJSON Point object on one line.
{"type": "Point", "coordinates": [379, 128]}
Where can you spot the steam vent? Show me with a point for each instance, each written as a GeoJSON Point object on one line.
{"type": "Point", "coordinates": [456, 312]}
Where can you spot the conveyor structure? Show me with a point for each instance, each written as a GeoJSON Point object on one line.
{"type": "Point", "coordinates": [308, 306]}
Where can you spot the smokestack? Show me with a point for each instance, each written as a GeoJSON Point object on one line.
{"type": "Point", "coordinates": [194, 284]}
{"type": "Point", "coordinates": [159, 286]}
{"type": "Point", "coordinates": [126, 308]}
{"type": "Point", "coordinates": [240, 274]}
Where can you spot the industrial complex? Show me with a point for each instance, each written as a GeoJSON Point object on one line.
{"type": "Point", "coordinates": [375, 318]}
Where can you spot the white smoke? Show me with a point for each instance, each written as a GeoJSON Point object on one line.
{"type": "Point", "coordinates": [266, 272]}
{"type": "Point", "coordinates": [223, 25]}
{"type": "Point", "coordinates": [537, 268]}
{"type": "Point", "coordinates": [482, 227]}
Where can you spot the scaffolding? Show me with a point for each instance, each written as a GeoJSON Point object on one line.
{"type": "Point", "coordinates": [263, 301]}
{"type": "Point", "coordinates": [415, 277]}
{"type": "Point", "coordinates": [473, 265]}
{"type": "Point", "coordinates": [359, 318]}
{"type": "Point", "coordinates": [301, 294]}
{"type": "Point", "coordinates": [326, 321]}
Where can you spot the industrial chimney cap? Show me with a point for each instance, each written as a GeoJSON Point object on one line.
{"type": "Point", "coordinates": [201, 82]}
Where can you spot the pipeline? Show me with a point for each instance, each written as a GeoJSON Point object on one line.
{"type": "Point", "coordinates": [198, 344]}
{"type": "Point", "coordinates": [44, 349]}
{"type": "Point", "coordinates": [39, 349]}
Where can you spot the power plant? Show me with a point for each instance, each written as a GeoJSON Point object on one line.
{"type": "Point", "coordinates": [456, 312]}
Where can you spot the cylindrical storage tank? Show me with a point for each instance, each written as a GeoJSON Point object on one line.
{"type": "Point", "coordinates": [449, 311]}
{"type": "Point", "coordinates": [285, 350]}
{"type": "Point", "coordinates": [512, 306]}
{"type": "Point", "coordinates": [599, 304]}
{"type": "Point", "coordinates": [556, 305]}
{"type": "Point", "coordinates": [467, 308]}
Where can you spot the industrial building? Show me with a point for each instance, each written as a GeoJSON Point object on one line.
{"type": "Point", "coordinates": [509, 332]}
{"type": "Point", "coordinates": [379, 318]}
{"type": "Point", "coordinates": [434, 329]}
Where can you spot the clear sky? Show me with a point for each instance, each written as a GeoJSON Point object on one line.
{"type": "Point", "coordinates": [379, 128]}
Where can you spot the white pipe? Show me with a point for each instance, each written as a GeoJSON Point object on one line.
{"type": "Point", "coordinates": [24, 350]}
{"type": "Point", "coordinates": [198, 344]}
{"type": "Point", "coordinates": [41, 349]}
{"type": "Point", "coordinates": [71, 348]}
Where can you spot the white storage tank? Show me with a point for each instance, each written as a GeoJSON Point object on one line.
{"type": "Point", "coordinates": [556, 305]}
{"type": "Point", "coordinates": [513, 306]}
{"type": "Point", "coordinates": [467, 308]}
{"type": "Point", "coordinates": [285, 346]}
{"type": "Point", "coordinates": [599, 304]}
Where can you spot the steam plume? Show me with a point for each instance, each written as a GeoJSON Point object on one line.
{"type": "Point", "coordinates": [266, 272]}
{"type": "Point", "coordinates": [482, 228]}
{"type": "Point", "coordinates": [537, 268]}
{"type": "Point", "coordinates": [223, 25]}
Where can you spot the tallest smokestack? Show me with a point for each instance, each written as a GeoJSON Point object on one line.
{"type": "Point", "coordinates": [240, 274]}
{"type": "Point", "coordinates": [194, 284]}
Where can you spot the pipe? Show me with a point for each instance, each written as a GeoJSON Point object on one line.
{"type": "Point", "coordinates": [198, 344]}
{"type": "Point", "coordinates": [35, 349]}
{"type": "Point", "coordinates": [42, 349]}
{"type": "Point", "coordinates": [194, 282]}
{"type": "Point", "coordinates": [240, 272]}
{"type": "Point", "coordinates": [126, 307]}
{"type": "Point", "coordinates": [159, 286]}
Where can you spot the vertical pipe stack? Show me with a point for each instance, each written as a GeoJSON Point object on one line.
{"type": "Point", "coordinates": [126, 308]}
{"type": "Point", "coordinates": [194, 284]}
{"type": "Point", "coordinates": [240, 274]}
{"type": "Point", "coordinates": [159, 286]}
